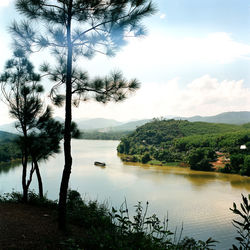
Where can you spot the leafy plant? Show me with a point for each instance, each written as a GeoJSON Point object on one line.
{"type": "Point", "coordinates": [149, 232]}
{"type": "Point", "coordinates": [243, 224]}
{"type": "Point", "coordinates": [102, 228]}
{"type": "Point", "coordinates": [33, 199]}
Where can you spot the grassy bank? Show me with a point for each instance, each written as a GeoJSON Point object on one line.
{"type": "Point", "coordinates": [90, 226]}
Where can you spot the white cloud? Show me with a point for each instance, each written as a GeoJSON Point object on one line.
{"type": "Point", "coordinates": [154, 57]}
{"type": "Point", "coordinates": [162, 16]}
{"type": "Point", "coordinates": [4, 3]}
{"type": "Point", "coordinates": [202, 96]}
{"type": "Point", "coordinates": [163, 50]}
{"type": "Point", "coordinates": [208, 96]}
{"type": "Point", "coordinates": [205, 96]}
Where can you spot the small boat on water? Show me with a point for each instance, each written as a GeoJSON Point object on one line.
{"type": "Point", "coordinates": [101, 164]}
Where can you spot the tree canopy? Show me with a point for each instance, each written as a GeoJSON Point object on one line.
{"type": "Point", "coordinates": [75, 28]}
{"type": "Point", "coordinates": [194, 143]}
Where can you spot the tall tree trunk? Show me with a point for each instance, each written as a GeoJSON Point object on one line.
{"type": "Point", "coordinates": [25, 192]}
{"type": "Point", "coordinates": [24, 174]}
{"type": "Point", "coordinates": [25, 189]}
{"type": "Point", "coordinates": [39, 179]}
{"type": "Point", "coordinates": [67, 130]}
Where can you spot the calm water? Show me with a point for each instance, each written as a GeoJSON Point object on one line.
{"type": "Point", "coordinates": [200, 200]}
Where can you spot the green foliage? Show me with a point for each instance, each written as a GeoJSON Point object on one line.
{"type": "Point", "coordinates": [227, 169]}
{"type": "Point", "coordinates": [33, 199]}
{"type": "Point", "coordinates": [199, 159]}
{"type": "Point", "coordinates": [9, 151]}
{"type": "Point", "coordinates": [7, 137]}
{"type": "Point", "coordinates": [73, 29]}
{"type": "Point", "coordinates": [105, 24]}
{"type": "Point", "coordinates": [145, 158]}
{"type": "Point", "coordinates": [45, 141]}
{"type": "Point", "coordinates": [40, 135]}
{"type": "Point", "coordinates": [131, 158]}
{"type": "Point", "coordinates": [236, 161]}
{"type": "Point", "coordinates": [95, 27]}
{"type": "Point", "coordinates": [243, 224]}
{"type": "Point", "coordinates": [21, 89]}
{"type": "Point", "coordinates": [189, 142]}
{"type": "Point", "coordinates": [8, 166]}
{"type": "Point", "coordinates": [13, 197]}
{"type": "Point", "coordinates": [245, 169]}
{"type": "Point", "coordinates": [116, 230]}
{"type": "Point", "coordinates": [192, 244]}
{"type": "Point", "coordinates": [105, 228]}
{"type": "Point", "coordinates": [155, 162]}
{"type": "Point", "coordinates": [113, 87]}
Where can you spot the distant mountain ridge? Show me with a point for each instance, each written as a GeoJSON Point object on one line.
{"type": "Point", "coordinates": [6, 136]}
{"type": "Point", "coordinates": [111, 125]}
{"type": "Point", "coordinates": [97, 123]}
{"type": "Point", "coordinates": [238, 118]}
{"type": "Point", "coordinates": [129, 126]}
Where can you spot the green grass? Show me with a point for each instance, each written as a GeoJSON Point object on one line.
{"type": "Point", "coordinates": [160, 163]}
{"type": "Point", "coordinates": [106, 228]}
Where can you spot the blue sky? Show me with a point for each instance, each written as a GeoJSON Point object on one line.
{"type": "Point", "coordinates": [194, 61]}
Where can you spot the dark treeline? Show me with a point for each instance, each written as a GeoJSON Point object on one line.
{"type": "Point", "coordinates": [9, 149]}
{"type": "Point", "coordinates": [96, 135]}
{"type": "Point", "coordinates": [194, 143]}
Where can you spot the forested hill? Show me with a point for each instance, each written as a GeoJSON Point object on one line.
{"type": "Point", "coordinates": [8, 148]}
{"type": "Point", "coordinates": [195, 143]}
{"type": "Point", "coordinates": [158, 131]}
{"type": "Point", "coordinates": [6, 136]}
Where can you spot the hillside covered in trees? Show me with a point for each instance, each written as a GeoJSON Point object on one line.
{"type": "Point", "coordinates": [8, 148]}
{"type": "Point", "coordinates": [194, 143]}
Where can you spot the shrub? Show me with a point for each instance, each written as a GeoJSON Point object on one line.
{"type": "Point", "coordinates": [114, 229]}
{"type": "Point", "coordinates": [226, 169]}
{"type": "Point", "coordinates": [236, 160]}
{"type": "Point", "coordinates": [198, 159]}
{"type": "Point", "coordinates": [145, 158]}
{"type": "Point", "coordinates": [245, 169]}
{"type": "Point", "coordinates": [242, 225]}
{"type": "Point", "coordinates": [33, 199]}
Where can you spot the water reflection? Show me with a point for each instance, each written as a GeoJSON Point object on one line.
{"type": "Point", "coordinates": [9, 166]}
{"type": "Point", "coordinates": [200, 200]}
{"type": "Point", "coordinates": [196, 178]}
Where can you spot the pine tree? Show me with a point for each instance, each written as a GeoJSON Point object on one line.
{"type": "Point", "coordinates": [21, 91]}
{"type": "Point", "coordinates": [44, 141]}
{"type": "Point", "coordinates": [39, 133]}
{"type": "Point", "coordinates": [75, 28]}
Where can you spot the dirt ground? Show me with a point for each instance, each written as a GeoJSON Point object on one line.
{"type": "Point", "coordinates": [28, 227]}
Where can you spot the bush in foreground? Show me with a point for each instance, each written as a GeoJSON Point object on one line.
{"type": "Point", "coordinates": [242, 225]}
{"type": "Point", "coordinates": [102, 228]}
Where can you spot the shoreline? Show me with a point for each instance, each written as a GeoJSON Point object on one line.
{"type": "Point", "coordinates": [126, 160]}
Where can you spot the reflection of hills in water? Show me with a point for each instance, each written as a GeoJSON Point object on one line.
{"type": "Point", "coordinates": [241, 183]}
{"type": "Point", "coordinates": [198, 179]}
{"type": "Point", "coordinates": [235, 181]}
{"type": "Point", "coordinates": [8, 166]}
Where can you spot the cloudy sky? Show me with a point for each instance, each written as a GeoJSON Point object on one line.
{"type": "Point", "coordinates": [195, 60]}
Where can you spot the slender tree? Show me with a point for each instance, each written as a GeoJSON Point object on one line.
{"type": "Point", "coordinates": [40, 134]}
{"type": "Point", "coordinates": [75, 28]}
{"type": "Point", "coordinates": [44, 142]}
{"type": "Point", "coordinates": [21, 91]}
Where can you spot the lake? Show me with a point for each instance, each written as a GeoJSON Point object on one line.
{"type": "Point", "coordinates": [199, 200]}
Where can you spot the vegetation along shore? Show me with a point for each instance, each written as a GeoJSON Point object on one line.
{"type": "Point", "coordinates": [200, 145]}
